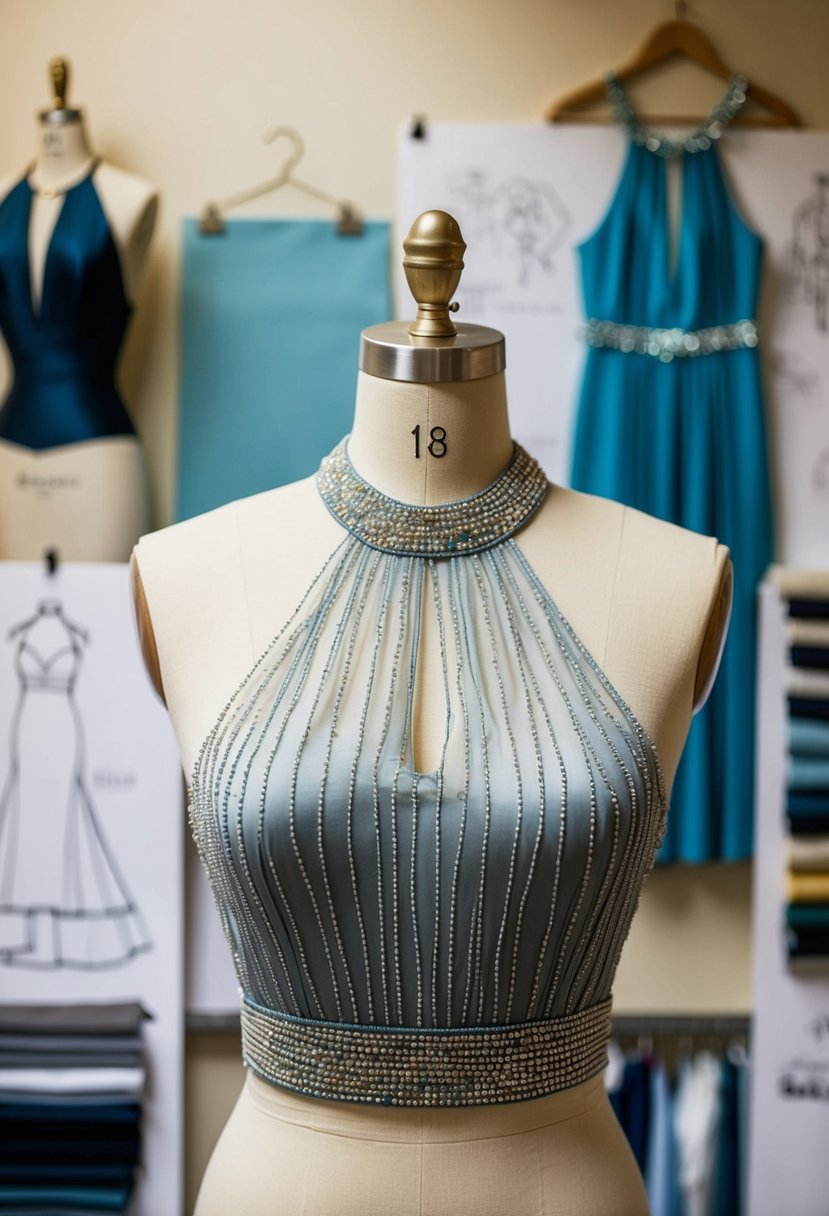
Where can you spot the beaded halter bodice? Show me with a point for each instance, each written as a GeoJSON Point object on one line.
{"type": "Point", "coordinates": [495, 891]}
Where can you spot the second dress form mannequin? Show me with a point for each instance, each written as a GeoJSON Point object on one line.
{"type": "Point", "coordinates": [72, 476]}
{"type": "Point", "coordinates": [649, 602]}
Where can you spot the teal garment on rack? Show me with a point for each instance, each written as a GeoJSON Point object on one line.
{"type": "Point", "coordinates": [670, 422]}
{"type": "Point", "coordinates": [271, 314]}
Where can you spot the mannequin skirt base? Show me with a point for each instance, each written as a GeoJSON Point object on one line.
{"type": "Point", "coordinates": [87, 501]}
{"type": "Point", "coordinates": [282, 1154]}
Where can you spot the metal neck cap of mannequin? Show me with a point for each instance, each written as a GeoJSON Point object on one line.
{"type": "Point", "coordinates": [432, 349]}
{"type": "Point", "coordinates": [59, 112]}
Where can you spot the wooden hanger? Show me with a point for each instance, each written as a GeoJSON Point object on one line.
{"type": "Point", "coordinates": [211, 221]}
{"type": "Point", "coordinates": [677, 37]}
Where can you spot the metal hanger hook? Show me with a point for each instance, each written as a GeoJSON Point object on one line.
{"type": "Point", "coordinates": [271, 134]}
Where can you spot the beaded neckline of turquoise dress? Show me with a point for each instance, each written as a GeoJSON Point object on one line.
{"type": "Point", "coordinates": [496, 891]}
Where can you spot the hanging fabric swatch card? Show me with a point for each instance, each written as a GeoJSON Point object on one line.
{"type": "Point", "coordinates": [91, 830]}
{"type": "Point", "coordinates": [271, 314]}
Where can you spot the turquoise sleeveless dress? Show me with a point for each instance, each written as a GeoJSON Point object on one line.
{"type": "Point", "coordinates": [441, 938]}
{"type": "Point", "coordinates": [63, 353]}
{"type": "Point", "coordinates": [670, 421]}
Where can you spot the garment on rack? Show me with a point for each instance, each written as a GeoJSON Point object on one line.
{"type": "Point", "coordinates": [696, 1129]}
{"type": "Point", "coordinates": [64, 349]}
{"type": "Point", "coordinates": [697, 1116]}
{"type": "Point", "coordinates": [670, 421]}
{"type": "Point", "coordinates": [729, 1179]}
{"type": "Point", "coordinates": [631, 1102]}
{"type": "Point", "coordinates": [662, 1161]}
{"type": "Point", "coordinates": [440, 937]}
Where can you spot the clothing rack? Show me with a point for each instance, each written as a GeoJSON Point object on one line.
{"type": "Point", "coordinates": [683, 1025]}
{"type": "Point", "coordinates": [659, 1025]}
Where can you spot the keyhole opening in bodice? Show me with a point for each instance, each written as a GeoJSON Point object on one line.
{"type": "Point", "coordinates": [428, 709]}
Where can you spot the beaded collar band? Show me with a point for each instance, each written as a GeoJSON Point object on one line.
{"type": "Point", "coordinates": [663, 145]}
{"type": "Point", "coordinates": [445, 530]}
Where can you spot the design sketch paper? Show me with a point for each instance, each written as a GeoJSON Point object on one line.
{"type": "Point", "coordinates": [91, 829]}
{"type": "Point", "coordinates": [64, 901]}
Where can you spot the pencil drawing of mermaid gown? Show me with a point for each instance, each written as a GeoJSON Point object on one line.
{"type": "Point", "coordinates": [63, 899]}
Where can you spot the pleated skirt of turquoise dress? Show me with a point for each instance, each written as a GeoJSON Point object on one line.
{"type": "Point", "coordinates": [685, 440]}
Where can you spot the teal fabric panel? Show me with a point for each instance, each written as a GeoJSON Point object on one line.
{"type": "Point", "coordinates": [271, 315]}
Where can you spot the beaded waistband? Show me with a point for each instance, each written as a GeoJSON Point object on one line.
{"type": "Point", "coordinates": [668, 344]}
{"type": "Point", "coordinates": [405, 1066]}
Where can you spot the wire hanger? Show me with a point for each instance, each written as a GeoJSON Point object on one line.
{"type": "Point", "coordinates": [671, 38]}
{"type": "Point", "coordinates": [349, 222]}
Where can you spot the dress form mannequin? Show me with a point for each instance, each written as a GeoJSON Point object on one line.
{"type": "Point", "coordinates": [648, 600]}
{"type": "Point", "coordinates": [86, 499]}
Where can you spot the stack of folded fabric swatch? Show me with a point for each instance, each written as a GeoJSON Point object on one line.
{"type": "Point", "coordinates": [71, 1083]}
{"type": "Point", "coordinates": [807, 795]}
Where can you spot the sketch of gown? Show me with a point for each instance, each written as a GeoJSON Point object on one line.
{"type": "Point", "coordinates": [63, 900]}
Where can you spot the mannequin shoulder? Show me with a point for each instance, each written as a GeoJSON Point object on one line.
{"type": "Point", "coordinates": [131, 207]}
{"type": "Point", "coordinates": [198, 586]}
{"type": "Point", "coordinates": [599, 535]}
{"type": "Point", "coordinates": [626, 580]}
{"type": "Point", "coordinates": [648, 599]}
{"type": "Point", "coordinates": [276, 526]}
{"type": "Point", "coordinates": [124, 190]}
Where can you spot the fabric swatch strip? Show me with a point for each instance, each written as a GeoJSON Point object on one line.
{"type": "Point", "coordinates": [71, 1083]}
{"type": "Point", "coordinates": [806, 683]}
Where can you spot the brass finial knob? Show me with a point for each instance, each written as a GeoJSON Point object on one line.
{"type": "Point", "coordinates": [59, 76]}
{"type": "Point", "coordinates": [433, 263]}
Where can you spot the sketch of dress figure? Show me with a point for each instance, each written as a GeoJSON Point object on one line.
{"type": "Point", "coordinates": [63, 900]}
{"type": "Point", "coordinates": [809, 251]}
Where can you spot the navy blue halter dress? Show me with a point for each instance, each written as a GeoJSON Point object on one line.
{"type": "Point", "coordinates": [63, 352]}
{"type": "Point", "coordinates": [671, 422]}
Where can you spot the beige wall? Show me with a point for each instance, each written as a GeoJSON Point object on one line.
{"type": "Point", "coordinates": [179, 92]}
